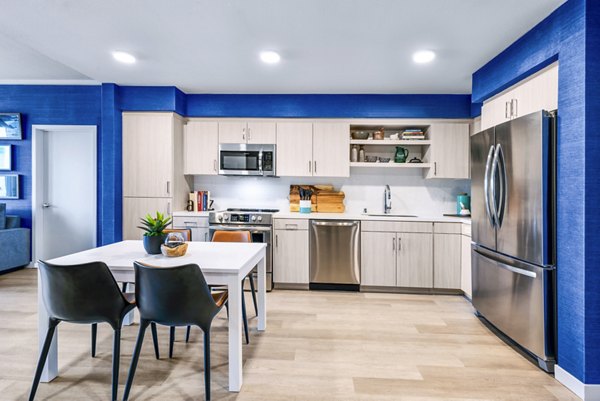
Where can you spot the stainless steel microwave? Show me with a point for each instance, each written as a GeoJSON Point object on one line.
{"type": "Point", "coordinates": [246, 159]}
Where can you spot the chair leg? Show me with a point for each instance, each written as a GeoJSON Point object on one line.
{"type": "Point", "coordinates": [135, 357]}
{"type": "Point", "coordinates": [244, 316]}
{"type": "Point", "coordinates": [171, 340]}
{"type": "Point", "coordinates": [94, 335]}
{"type": "Point", "coordinates": [115, 362]}
{"type": "Point", "coordinates": [155, 339]}
{"type": "Point", "coordinates": [207, 364]}
{"type": "Point", "coordinates": [43, 355]}
{"type": "Point", "coordinates": [253, 294]}
{"type": "Point", "coordinates": [187, 334]}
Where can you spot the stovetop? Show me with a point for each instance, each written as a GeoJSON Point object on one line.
{"type": "Point", "coordinates": [242, 210]}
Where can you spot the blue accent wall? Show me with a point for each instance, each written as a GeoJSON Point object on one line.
{"type": "Point", "coordinates": [570, 35]}
{"type": "Point", "coordinates": [330, 106]}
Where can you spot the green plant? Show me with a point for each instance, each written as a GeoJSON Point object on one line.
{"type": "Point", "coordinates": [154, 226]}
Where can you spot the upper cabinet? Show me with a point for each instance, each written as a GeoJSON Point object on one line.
{"type": "Point", "coordinates": [201, 147]}
{"type": "Point", "coordinates": [330, 149]}
{"type": "Point", "coordinates": [247, 132]}
{"type": "Point", "coordinates": [538, 92]}
{"type": "Point", "coordinates": [448, 154]}
{"type": "Point", "coordinates": [306, 149]}
{"type": "Point", "coordinates": [148, 150]}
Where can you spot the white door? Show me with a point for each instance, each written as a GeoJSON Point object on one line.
{"type": "Point", "coordinates": [331, 150]}
{"type": "Point", "coordinates": [415, 260]}
{"type": "Point", "coordinates": [261, 132]}
{"type": "Point", "coordinates": [378, 259]}
{"type": "Point", "coordinates": [201, 148]}
{"type": "Point", "coordinates": [232, 132]}
{"type": "Point", "coordinates": [64, 190]}
{"type": "Point", "coordinates": [294, 149]}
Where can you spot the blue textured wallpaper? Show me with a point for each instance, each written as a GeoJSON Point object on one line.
{"type": "Point", "coordinates": [332, 106]}
{"type": "Point", "coordinates": [567, 35]}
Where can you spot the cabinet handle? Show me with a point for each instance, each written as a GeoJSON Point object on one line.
{"type": "Point", "coordinates": [315, 167]}
{"type": "Point", "coordinates": [249, 131]}
{"type": "Point", "coordinates": [309, 167]}
{"type": "Point", "coordinates": [394, 244]}
{"type": "Point", "coordinates": [168, 187]}
{"type": "Point", "coordinates": [434, 168]}
{"type": "Point", "coordinates": [516, 108]}
{"type": "Point", "coordinates": [399, 244]}
{"type": "Point", "coordinates": [276, 241]}
{"type": "Point", "coordinates": [291, 226]}
{"type": "Point", "coordinates": [244, 134]}
{"type": "Point", "coordinates": [205, 237]}
{"type": "Point", "coordinates": [506, 110]}
{"type": "Point", "coordinates": [189, 224]}
{"type": "Point", "coordinates": [215, 165]}
{"type": "Point", "coordinates": [168, 208]}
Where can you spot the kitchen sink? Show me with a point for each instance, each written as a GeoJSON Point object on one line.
{"type": "Point", "coordinates": [388, 215]}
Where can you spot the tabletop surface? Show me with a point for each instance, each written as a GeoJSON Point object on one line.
{"type": "Point", "coordinates": [212, 257]}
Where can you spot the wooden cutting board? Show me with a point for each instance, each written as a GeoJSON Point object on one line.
{"type": "Point", "coordinates": [325, 198]}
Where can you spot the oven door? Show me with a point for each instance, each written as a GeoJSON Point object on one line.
{"type": "Point", "coordinates": [259, 234]}
{"type": "Point", "coordinates": [246, 159]}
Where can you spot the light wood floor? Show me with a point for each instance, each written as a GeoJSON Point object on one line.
{"type": "Point", "coordinates": [318, 346]}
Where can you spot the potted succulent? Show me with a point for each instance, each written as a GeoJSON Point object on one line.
{"type": "Point", "coordinates": [154, 234]}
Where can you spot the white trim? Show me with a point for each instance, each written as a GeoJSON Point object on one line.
{"type": "Point", "coordinates": [587, 392]}
{"type": "Point", "coordinates": [37, 183]}
{"type": "Point", "coordinates": [84, 82]}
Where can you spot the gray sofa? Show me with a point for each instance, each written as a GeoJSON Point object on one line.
{"type": "Point", "coordinates": [15, 245]}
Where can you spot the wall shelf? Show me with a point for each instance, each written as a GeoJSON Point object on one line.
{"type": "Point", "coordinates": [391, 165]}
{"type": "Point", "coordinates": [389, 142]}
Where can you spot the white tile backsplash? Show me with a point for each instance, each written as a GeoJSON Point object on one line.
{"type": "Point", "coordinates": [411, 194]}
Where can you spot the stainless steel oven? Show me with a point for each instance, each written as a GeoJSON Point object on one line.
{"type": "Point", "coordinates": [258, 221]}
{"type": "Point", "coordinates": [246, 159]}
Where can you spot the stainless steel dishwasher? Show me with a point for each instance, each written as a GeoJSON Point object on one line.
{"type": "Point", "coordinates": [335, 255]}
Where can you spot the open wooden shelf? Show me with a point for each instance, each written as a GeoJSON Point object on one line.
{"type": "Point", "coordinates": [391, 165]}
{"type": "Point", "coordinates": [389, 142]}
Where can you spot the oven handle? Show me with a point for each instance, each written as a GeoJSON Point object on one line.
{"type": "Point", "coordinates": [241, 228]}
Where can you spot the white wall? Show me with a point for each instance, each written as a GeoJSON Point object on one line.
{"type": "Point", "coordinates": [411, 194]}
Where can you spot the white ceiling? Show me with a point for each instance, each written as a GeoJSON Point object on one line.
{"type": "Point", "coordinates": [202, 46]}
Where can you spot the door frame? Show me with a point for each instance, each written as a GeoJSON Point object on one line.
{"type": "Point", "coordinates": [37, 186]}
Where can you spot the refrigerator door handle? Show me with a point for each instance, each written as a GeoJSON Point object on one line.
{"type": "Point", "coordinates": [486, 186]}
{"type": "Point", "coordinates": [503, 198]}
{"type": "Point", "coordinates": [504, 266]}
{"type": "Point", "coordinates": [495, 202]}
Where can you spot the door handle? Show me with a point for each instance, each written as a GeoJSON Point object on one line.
{"type": "Point", "coordinates": [434, 168]}
{"type": "Point", "coordinates": [315, 166]}
{"type": "Point", "coordinates": [168, 208]}
{"type": "Point", "coordinates": [168, 187]}
{"type": "Point", "coordinates": [503, 198]}
{"type": "Point", "coordinates": [309, 167]}
{"type": "Point", "coordinates": [45, 205]}
{"type": "Point", "coordinates": [506, 109]}
{"type": "Point", "coordinates": [514, 109]}
{"type": "Point", "coordinates": [215, 165]}
{"type": "Point", "coordinates": [486, 185]}
{"type": "Point", "coordinates": [244, 134]}
{"type": "Point", "coordinates": [394, 244]}
{"type": "Point", "coordinates": [399, 244]}
{"type": "Point", "coordinates": [496, 207]}
{"type": "Point", "coordinates": [276, 241]}
{"type": "Point", "coordinates": [249, 131]}
{"type": "Point", "coordinates": [504, 266]}
{"type": "Point", "coordinates": [205, 237]}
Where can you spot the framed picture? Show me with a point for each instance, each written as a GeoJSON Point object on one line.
{"type": "Point", "coordinates": [5, 157]}
{"type": "Point", "coordinates": [10, 126]}
{"type": "Point", "coordinates": [9, 186]}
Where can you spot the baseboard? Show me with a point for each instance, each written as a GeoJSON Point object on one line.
{"type": "Point", "coordinates": [587, 392]}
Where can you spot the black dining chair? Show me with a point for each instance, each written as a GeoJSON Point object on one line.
{"type": "Point", "coordinates": [85, 293]}
{"type": "Point", "coordinates": [174, 296]}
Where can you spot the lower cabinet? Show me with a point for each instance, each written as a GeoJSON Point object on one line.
{"type": "Point", "coordinates": [197, 225]}
{"type": "Point", "coordinates": [446, 261]}
{"type": "Point", "coordinates": [290, 256]}
{"type": "Point", "coordinates": [466, 285]}
{"type": "Point", "coordinates": [390, 259]}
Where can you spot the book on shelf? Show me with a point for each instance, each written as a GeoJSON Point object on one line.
{"type": "Point", "coordinates": [201, 200]}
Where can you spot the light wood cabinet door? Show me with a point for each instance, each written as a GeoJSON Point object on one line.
{"type": "Point", "coordinates": [290, 257]}
{"type": "Point", "coordinates": [446, 261]}
{"type": "Point", "coordinates": [136, 208]}
{"type": "Point", "coordinates": [148, 154]}
{"type": "Point", "coordinates": [495, 111]}
{"type": "Point", "coordinates": [465, 262]}
{"type": "Point", "coordinates": [294, 149]}
{"type": "Point", "coordinates": [378, 259]}
{"type": "Point", "coordinates": [415, 260]}
{"type": "Point", "coordinates": [201, 148]}
{"type": "Point", "coordinates": [331, 147]}
{"type": "Point", "coordinates": [232, 132]}
{"type": "Point", "coordinates": [261, 132]}
{"type": "Point", "coordinates": [450, 152]}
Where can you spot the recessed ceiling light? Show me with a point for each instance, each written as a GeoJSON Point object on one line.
{"type": "Point", "coordinates": [270, 57]}
{"type": "Point", "coordinates": [423, 56]}
{"type": "Point", "coordinates": [123, 57]}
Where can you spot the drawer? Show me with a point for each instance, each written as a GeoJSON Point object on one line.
{"type": "Point", "coordinates": [466, 229]}
{"type": "Point", "coordinates": [291, 224]}
{"type": "Point", "coordinates": [189, 222]}
{"type": "Point", "coordinates": [447, 228]}
{"type": "Point", "coordinates": [396, 226]}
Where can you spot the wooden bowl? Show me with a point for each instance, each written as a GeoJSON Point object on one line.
{"type": "Point", "coordinates": [174, 252]}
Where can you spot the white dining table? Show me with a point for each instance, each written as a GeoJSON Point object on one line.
{"type": "Point", "coordinates": [222, 263]}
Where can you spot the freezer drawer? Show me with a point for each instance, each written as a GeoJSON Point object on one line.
{"type": "Point", "coordinates": [334, 252]}
{"type": "Point", "coordinates": [517, 298]}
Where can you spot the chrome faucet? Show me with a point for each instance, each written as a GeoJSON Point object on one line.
{"type": "Point", "coordinates": [387, 200]}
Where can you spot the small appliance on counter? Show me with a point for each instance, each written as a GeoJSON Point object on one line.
{"type": "Point", "coordinates": [463, 204]}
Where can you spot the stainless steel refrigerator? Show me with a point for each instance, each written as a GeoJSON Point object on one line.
{"type": "Point", "coordinates": [513, 231]}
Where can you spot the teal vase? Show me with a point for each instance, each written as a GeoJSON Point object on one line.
{"type": "Point", "coordinates": [401, 154]}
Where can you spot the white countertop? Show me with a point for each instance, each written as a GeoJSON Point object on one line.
{"type": "Point", "coordinates": [361, 216]}
{"type": "Point", "coordinates": [185, 213]}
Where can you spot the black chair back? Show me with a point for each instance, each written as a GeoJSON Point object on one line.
{"type": "Point", "coordinates": [174, 296]}
{"type": "Point", "coordinates": [84, 293]}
